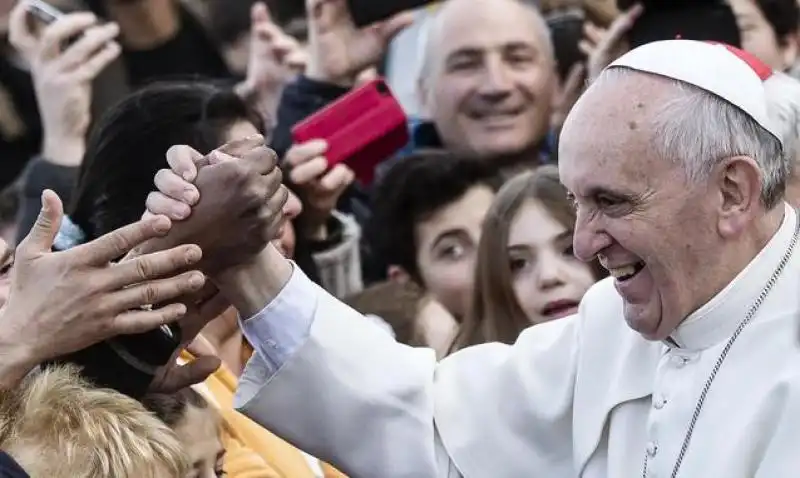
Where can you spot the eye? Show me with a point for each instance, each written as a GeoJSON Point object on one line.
{"type": "Point", "coordinates": [572, 201]}
{"type": "Point", "coordinates": [453, 251]}
{"type": "Point", "coordinates": [604, 201]}
{"type": "Point", "coordinates": [516, 264]}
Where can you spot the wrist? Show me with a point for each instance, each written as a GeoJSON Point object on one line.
{"type": "Point", "coordinates": [64, 151]}
{"type": "Point", "coordinates": [16, 361]}
{"type": "Point", "coordinates": [314, 71]}
{"type": "Point", "coordinates": [252, 286]}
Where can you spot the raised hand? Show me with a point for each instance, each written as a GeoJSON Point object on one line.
{"type": "Point", "coordinates": [338, 50]}
{"type": "Point", "coordinates": [602, 47]}
{"type": "Point", "coordinates": [237, 201]}
{"type": "Point", "coordinates": [62, 302]}
{"type": "Point", "coordinates": [275, 57]}
{"type": "Point", "coordinates": [62, 75]}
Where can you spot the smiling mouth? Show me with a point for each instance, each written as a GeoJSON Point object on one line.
{"type": "Point", "coordinates": [626, 273]}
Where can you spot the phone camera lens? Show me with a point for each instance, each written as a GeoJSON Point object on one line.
{"type": "Point", "coordinates": [382, 88]}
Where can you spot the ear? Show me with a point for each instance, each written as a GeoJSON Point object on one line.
{"type": "Point", "coordinates": [398, 274]}
{"type": "Point", "coordinates": [424, 96]}
{"type": "Point", "coordinates": [789, 50]}
{"type": "Point", "coordinates": [740, 191]}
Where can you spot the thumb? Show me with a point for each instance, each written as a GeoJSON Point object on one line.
{"type": "Point", "coordinates": [44, 230]}
{"type": "Point", "coordinates": [259, 13]}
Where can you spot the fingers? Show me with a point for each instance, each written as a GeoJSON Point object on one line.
{"type": "Point", "coordinates": [19, 32]}
{"type": "Point", "coordinates": [153, 292]}
{"type": "Point", "coordinates": [309, 171]}
{"type": "Point", "coordinates": [92, 40]}
{"type": "Point", "coordinates": [262, 159]}
{"type": "Point", "coordinates": [200, 346]}
{"type": "Point", "coordinates": [62, 30]}
{"type": "Point", "coordinates": [575, 79]}
{"type": "Point", "coordinates": [172, 185]}
{"type": "Point", "coordinates": [184, 161]}
{"type": "Point", "coordinates": [594, 34]}
{"type": "Point", "coordinates": [158, 203]}
{"type": "Point", "coordinates": [140, 321]}
{"type": "Point", "coordinates": [337, 179]}
{"type": "Point", "coordinates": [96, 64]}
{"type": "Point", "coordinates": [44, 230]}
{"type": "Point", "coordinates": [259, 13]}
{"type": "Point", "coordinates": [620, 26]}
{"type": "Point", "coordinates": [304, 152]}
{"type": "Point", "coordinates": [197, 371]}
{"type": "Point", "coordinates": [240, 147]}
{"type": "Point", "coordinates": [391, 27]}
{"type": "Point", "coordinates": [117, 243]}
{"type": "Point", "coordinates": [152, 266]}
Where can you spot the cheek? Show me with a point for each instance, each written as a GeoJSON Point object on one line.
{"type": "Point", "coordinates": [451, 284]}
{"type": "Point", "coordinates": [528, 298]}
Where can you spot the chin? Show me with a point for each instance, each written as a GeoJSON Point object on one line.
{"type": "Point", "coordinates": [646, 321]}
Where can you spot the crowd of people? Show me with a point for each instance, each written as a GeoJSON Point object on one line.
{"type": "Point", "coordinates": [583, 263]}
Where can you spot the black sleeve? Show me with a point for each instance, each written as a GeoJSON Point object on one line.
{"type": "Point", "coordinates": [301, 98]}
{"type": "Point", "coordinates": [38, 176]}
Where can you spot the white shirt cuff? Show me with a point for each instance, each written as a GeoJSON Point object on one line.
{"type": "Point", "coordinates": [283, 326]}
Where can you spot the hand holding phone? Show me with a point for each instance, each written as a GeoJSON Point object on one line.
{"type": "Point", "coordinates": [362, 129]}
{"type": "Point", "coordinates": [43, 11]}
{"type": "Point", "coordinates": [367, 12]}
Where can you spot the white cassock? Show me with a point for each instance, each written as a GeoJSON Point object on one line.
{"type": "Point", "coordinates": [580, 397]}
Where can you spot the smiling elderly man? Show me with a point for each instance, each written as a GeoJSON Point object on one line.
{"type": "Point", "coordinates": [685, 363]}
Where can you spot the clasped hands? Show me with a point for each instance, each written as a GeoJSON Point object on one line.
{"type": "Point", "coordinates": [61, 302]}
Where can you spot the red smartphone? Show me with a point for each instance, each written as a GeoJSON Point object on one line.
{"type": "Point", "coordinates": [363, 128]}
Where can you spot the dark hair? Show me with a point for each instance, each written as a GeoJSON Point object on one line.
{"type": "Point", "coordinates": [171, 408]}
{"type": "Point", "coordinates": [782, 15]}
{"type": "Point", "coordinates": [9, 203]}
{"type": "Point", "coordinates": [413, 189]}
{"type": "Point", "coordinates": [495, 314]}
{"type": "Point", "coordinates": [128, 146]}
{"type": "Point", "coordinates": [398, 304]}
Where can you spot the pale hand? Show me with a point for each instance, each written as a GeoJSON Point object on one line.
{"type": "Point", "coordinates": [63, 78]}
{"type": "Point", "coordinates": [319, 186]}
{"type": "Point", "coordinates": [338, 50]}
{"type": "Point", "coordinates": [602, 47]}
{"type": "Point", "coordinates": [62, 302]}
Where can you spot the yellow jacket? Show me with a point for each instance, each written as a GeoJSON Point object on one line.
{"type": "Point", "coordinates": [252, 451]}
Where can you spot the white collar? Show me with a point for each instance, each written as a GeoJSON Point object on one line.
{"type": "Point", "coordinates": [719, 317]}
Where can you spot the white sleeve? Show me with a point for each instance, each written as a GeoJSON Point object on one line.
{"type": "Point", "coordinates": [353, 397]}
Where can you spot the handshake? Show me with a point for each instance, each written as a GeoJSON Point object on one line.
{"type": "Point", "coordinates": [199, 247]}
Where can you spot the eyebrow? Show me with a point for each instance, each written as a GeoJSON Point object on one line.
{"type": "Point", "coordinates": [447, 234]}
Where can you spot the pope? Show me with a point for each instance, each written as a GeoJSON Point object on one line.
{"type": "Point", "coordinates": [685, 362]}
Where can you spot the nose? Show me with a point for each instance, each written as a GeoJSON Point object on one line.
{"type": "Point", "coordinates": [497, 84]}
{"type": "Point", "coordinates": [588, 239]}
{"type": "Point", "coordinates": [293, 206]}
{"type": "Point", "coordinates": [549, 271]}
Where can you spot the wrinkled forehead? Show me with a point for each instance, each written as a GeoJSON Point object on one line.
{"type": "Point", "coordinates": [483, 25]}
{"type": "Point", "coordinates": [607, 136]}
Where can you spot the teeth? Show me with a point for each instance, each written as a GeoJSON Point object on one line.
{"type": "Point", "coordinates": [619, 272]}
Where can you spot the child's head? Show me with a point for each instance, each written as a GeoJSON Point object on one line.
{"type": "Point", "coordinates": [197, 426]}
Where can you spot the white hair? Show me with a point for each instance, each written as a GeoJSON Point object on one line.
{"type": "Point", "coordinates": [699, 129]}
{"type": "Point", "coordinates": [429, 38]}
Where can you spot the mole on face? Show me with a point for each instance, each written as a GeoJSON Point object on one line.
{"type": "Point", "coordinates": [632, 125]}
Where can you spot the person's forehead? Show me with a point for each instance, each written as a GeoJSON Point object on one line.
{"type": "Point", "coordinates": [608, 135]}
{"type": "Point", "coordinates": [746, 10]}
{"type": "Point", "coordinates": [464, 214]}
{"type": "Point", "coordinates": [484, 24]}
{"type": "Point", "coordinates": [534, 225]}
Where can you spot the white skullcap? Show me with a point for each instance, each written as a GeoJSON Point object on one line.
{"type": "Point", "coordinates": [725, 71]}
